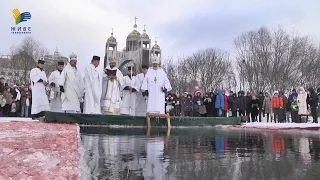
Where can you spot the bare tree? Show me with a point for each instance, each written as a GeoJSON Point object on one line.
{"type": "Point", "coordinates": [276, 60]}
{"type": "Point", "coordinates": [25, 56]}
{"type": "Point", "coordinates": [209, 69]}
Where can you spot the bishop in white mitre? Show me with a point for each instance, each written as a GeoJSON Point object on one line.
{"type": "Point", "coordinates": [71, 87]}
{"type": "Point", "coordinates": [55, 99]}
{"type": "Point", "coordinates": [111, 89]}
{"type": "Point", "coordinates": [93, 87]}
{"type": "Point", "coordinates": [155, 85]}
{"type": "Point", "coordinates": [131, 86]}
{"type": "Point", "coordinates": [40, 102]}
{"type": "Point", "coordinates": [141, 102]}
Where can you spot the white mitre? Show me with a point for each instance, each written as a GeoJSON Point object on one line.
{"type": "Point", "coordinates": [155, 60]}
{"type": "Point", "coordinates": [73, 57]}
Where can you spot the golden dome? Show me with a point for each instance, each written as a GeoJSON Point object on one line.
{"type": "Point", "coordinates": [155, 46]}
{"type": "Point", "coordinates": [144, 35]}
{"type": "Point", "coordinates": [112, 38]}
{"type": "Point", "coordinates": [134, 33]}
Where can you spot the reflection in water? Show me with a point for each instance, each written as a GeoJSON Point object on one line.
{"type": "Point", "coordinates": [116, 153]}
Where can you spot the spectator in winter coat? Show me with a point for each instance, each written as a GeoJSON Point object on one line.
{"type": "Point", "coordinates": [248, 102]}
{"type": "Point", "coordinates": [318, 91]}
{"type": "Point", "coordinates": [277, 106]}
{"type": "Point", "coordinates": [313, 102]}
{"type": "Point", "coordinates": [302, 104]}
{"type": "Point", "coordinates": [177, 105]}
{"type": "Point", "coordinates": [294, 110]}
{"type": "Point", "coordinates": [169, 104]}
{"type": "Point", "coordinates": [241, 103]}
{"type": "Point", "coordinates": [261, 99]}
{"type": "Point", "coordinates": [8, 96]}
{"type": "Point", "coordinates": [183, 99]}
{"type": "Point", "coordinates": [2, 100]}
{"type": "Point", "coordinates": [267, 105]}
{"type": "Point", "coordinates": [207, 103]}
{"type": "Point", "coordinates": [197, 101]}
{"type": "Point", "coordinates": [24, 107]}
{"type": "Point", "coordinates": [225, 104]}
{"type": "Point", "coordinates": [233, 104]}
{"type": "Point", "coordinates": [292, 95]}
{"type": "Point", "coordinates": [254, 103]}
{"type": "Point", "coordinates": [219, 105]}
{"type": "Point", "coordinates": [213, 96]}
{"type": "Point", "coordinates": [188, 106]}
{"type": "Point", "coordinates": [284, 111]}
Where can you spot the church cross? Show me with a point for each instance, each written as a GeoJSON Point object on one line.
{"type": "Point", "coordinates": [135, 20]}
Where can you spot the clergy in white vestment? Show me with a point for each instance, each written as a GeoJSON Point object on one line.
{"type": "Point", "coordinates": [155, 85]}
{"type": "Point", "coordinates": [141, 102]}
{"type": "Point", "coordinates": [93, 87]}
{"type": "Point", "coordinates": [55, 99]}
{"type": "Point", "coordinates": [131, 86]}
{"type": "Point", "coordinates": [111, 88]}
{"type": "Point", "coordinates": [40, 102]}
{"type": "Point", "coordinates": [71, 87]}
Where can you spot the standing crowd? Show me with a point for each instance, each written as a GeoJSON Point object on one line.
{"type": "Point", "coordinates": [277, 107]}
{"type": "Point", "coordinates": [15, 100]}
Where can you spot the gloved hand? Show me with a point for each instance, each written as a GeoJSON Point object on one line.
{"type": "Point", "coordinates": [164, 90]}
{"type": "Point", "coordinates": [126, 88]}
{"type": "Point", "coordinates": [133, 90]}
{"type": "Point", "coordinates": [61, 89]}
{"type": "Point", "coordinates": [52, 84]}
{"type": "Point", "coordinates": [145, 93]}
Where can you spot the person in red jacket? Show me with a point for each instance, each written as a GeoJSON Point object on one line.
{"type": "Point", "coordinates": [276, 105]}
{"type": "Point", "coordinates": [226, 104]}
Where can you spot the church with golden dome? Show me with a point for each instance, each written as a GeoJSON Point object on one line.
{"type": "Point", "coordinates": [137, 52]}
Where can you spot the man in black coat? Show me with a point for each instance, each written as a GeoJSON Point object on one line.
{"type": "Point", "coordinates": [313, 102]}
{"type": "Point", "coordinates": [261, 99]}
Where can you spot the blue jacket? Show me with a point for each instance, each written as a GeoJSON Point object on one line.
{"type": "Point", "coordinates": [219, 100]}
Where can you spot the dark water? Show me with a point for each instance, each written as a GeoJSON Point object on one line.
{"type": "Point", "coordinates": [201, 154]}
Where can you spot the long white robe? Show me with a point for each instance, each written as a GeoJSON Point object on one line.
{"type": "Point", "coordinates": [73, 86]}
{"type": "Point", "coordinates": [111, 93]}
{"type": "Point", "coordinates": [141, 102]}
{"type": "Point", "coordinates": [128, 103]}
{"type": "Point", "coordinates": [55, 104]}
{"type": "Point", "coordinates": [154, 81]}
{"type": "Point", "coordinates": [39, 97]}
{"type": "Point", "coordinates": [93, 89]}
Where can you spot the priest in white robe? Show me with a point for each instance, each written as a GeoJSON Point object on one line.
{"type": "Point", "coordinates": [141, 102]}
{"type": "Point", "coordinates": [155, 85]}
{"type": "Point", "coordinates": [55, 99]}
{"type": "Point", "coordinates": [93, 87]}
{"type": "Point", "coordinates": [131, 86]}
{"type": "Point", "coordinates": [111, 89]}
{"type": "Point", "coordinates": [71, 87]}
{"type": "Point", "coordinates": [40, 102]}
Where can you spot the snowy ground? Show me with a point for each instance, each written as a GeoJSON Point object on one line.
{"type": "Point", "coordinates": [10, 119]}
{"type": "Point", "coordinates": [37, 150]}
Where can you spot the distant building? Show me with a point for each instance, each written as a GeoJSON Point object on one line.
{"type": "Point", "coordinates": [17, 73]}
{"type": "Point", "coordinates": [138, 50]}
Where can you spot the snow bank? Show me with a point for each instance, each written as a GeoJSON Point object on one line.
{"type": "Point", "coordinates": [36, 150]}
{"type": "Point", "coordinates": [279, 126]}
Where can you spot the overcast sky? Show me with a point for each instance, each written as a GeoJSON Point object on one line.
{"type": "Point", "coordinates": [182, 27]}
